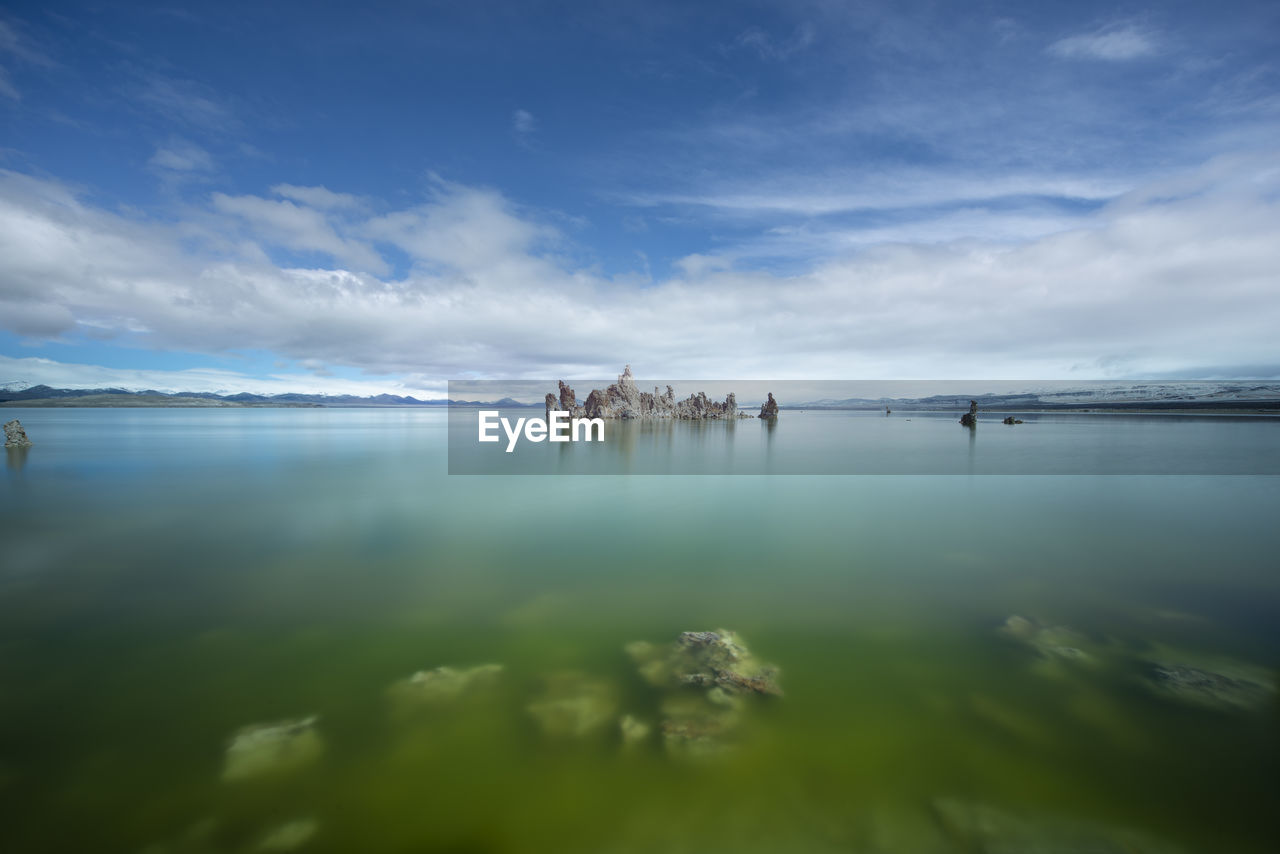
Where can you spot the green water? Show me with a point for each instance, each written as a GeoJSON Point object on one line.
{"type": "Point", "coordinates": [172, 576]}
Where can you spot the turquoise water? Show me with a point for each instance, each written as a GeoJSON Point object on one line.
{"type": "Point", "coordinates": [862, 442]}
{"type": "Point", "coordinates": [172, 576]}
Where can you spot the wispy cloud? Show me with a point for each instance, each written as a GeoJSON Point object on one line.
{"type": "Point", "coordinates": [320, 198]}
{"type": "Point", "coordinates": [1115, 42]}
{"type": "Point", "coordinates": [852, 192]}
{"type": "Point", "coordinates": [21, 47]}
{"type": "Point", "coordinates": [769, 47]}
{"type": "Point", "coordinates": [16, 47]}
{"type": "Point", "coordinates": [7, 89]}
{"type": "Point", "coordinates": [185, 102]}
{"type": "Point", "coordinates": [523, 125]}
{"type": "Point", "coordinates": [181, 156]}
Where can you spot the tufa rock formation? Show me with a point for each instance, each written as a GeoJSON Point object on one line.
{"type": "Point", "coordinates": [1241, 688]}
{"type": "Point", "coordinates": [624, 399]}
{"type": "Point", "coordinates": [973, 826]}
{"type": "Point", "coordinates": [1011, 420]}
{"type": "Point", "coordinates": [441, 685]}
{"type": "Point", "coordinates": [574, 705]}
{"type": "Point", "coordinates": [1193, 679]}
{"type": "Point", "coordinates": [970, 418]}
{"type": "Point", "coordinates": [15, 436]}
{"type": "Point", "coordinates": [707, 678]}
{"type": "Point", "coordinates": [769, 409]}
{"type": "Point", "coordinates": [272, 748]}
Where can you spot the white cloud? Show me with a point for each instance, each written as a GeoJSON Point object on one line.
{"type": "Point", "coordinates": [298, 227]}
{"type": "Point", "coordinates": [317, 197]}
{"type": "Point", "coordinates": [523, 122]}
{"type": "Point", "coordinates": [34, 370]}
{"type": "Point", "coordinates": [181, 156]}
{"type": "Point", "coordinates": [466, 230]}
{"type": "Point", "coordinates": [1114, 43]}
{"type": "Point", "coordinates": [839, 193]}
{"type": "Point", "coordinates": [1171, 276]}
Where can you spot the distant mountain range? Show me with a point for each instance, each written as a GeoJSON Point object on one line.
{"type": "Point", "coordinates": [1165, 395]}
{"type": "Point", "coordinates": [14, 394]}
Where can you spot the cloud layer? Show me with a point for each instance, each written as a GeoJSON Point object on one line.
{"type": "Point", "coordinates": [1171, 276]}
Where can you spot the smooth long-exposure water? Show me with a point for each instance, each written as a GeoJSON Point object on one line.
{"type": "Point", "coordinates": [170, 577]}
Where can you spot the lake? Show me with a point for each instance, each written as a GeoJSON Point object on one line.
{"type": "Point", "coordinates": [1059, 637]}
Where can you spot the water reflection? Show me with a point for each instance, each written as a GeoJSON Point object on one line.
{"type": "Point", "coordinates": [16, 458]}
{"type": "Point", "coordinates": [972, 429]}
{"type": "Point", "coordinates": [839, 442]}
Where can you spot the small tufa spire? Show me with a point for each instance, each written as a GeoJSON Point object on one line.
{"type": "Point", "coordinates": [15, 436]}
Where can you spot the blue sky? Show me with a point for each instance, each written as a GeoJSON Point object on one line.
{"type": "Point", "coordinates": [384, 196]}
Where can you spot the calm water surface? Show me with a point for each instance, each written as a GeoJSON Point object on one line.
{"type": "Point", "coordinates": [170, 576]}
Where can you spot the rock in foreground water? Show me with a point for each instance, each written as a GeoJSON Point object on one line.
{"type": "Point", "coordinates": [574, 705]}
{"type": "Point", "coordinates": [707, 679]}
{"type": "Point", "coordinates": [271, 748]}
{"type": "Point", "coordinates": [769, 409]}
{"type": "Point", "coordinates": [705, 660]}
{"type": "Point", "coordinates": [1052, 642]}
{"type": "Point", "coordinates": [700, 724]}
{"type": "Point", "coordinates": [980, 828]}
{"type": "Point", "coordinates": [442, 684]}
{"type": "Point", "coordinates": [1238, 688]}
{"type": "Point", "coordinates": [15, 436]}
{"type": "Point", "coordinates": [289, 836]}
{"type": "Point", "coordinates": [633, 730]}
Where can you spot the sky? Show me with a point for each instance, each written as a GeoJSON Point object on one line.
{"type": "Point", "coordinates": [382, 197]}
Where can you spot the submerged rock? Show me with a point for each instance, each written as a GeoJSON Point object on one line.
{"type": "Point", "coordinates": [1052, 642]}
{"type": "Point", "coordinates": [696, 724]}
{"type": "Point", "coordinates": [15, 436]}
{"type": "Point", "coordinates": [707, 678]}
{"type": "Point", "coordinates": [574, 705]}
{"type": "Point", "coordinates": [442, 684]}
{"type": "Point", "coordinates": [634, 731]}
{"type": "Point", "coordinates": [270, 748]}
{"type": "Point", "coordinates": [970, 418]}
{"type": "Point", "coordinates": [288, 836]}
{"type": "Point", "coordinates": [1195, 679]}
{"type": "Point", "coordinates": [705, 660]}
{"type": "Point", "coordinates": [989, 830]}
{"type": "Point", "coordinates": [1240, 687]}
{"type": "Point", "coordinates": [769, 409]}
{"type": "Point", "coordinates": [1011, 420]}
